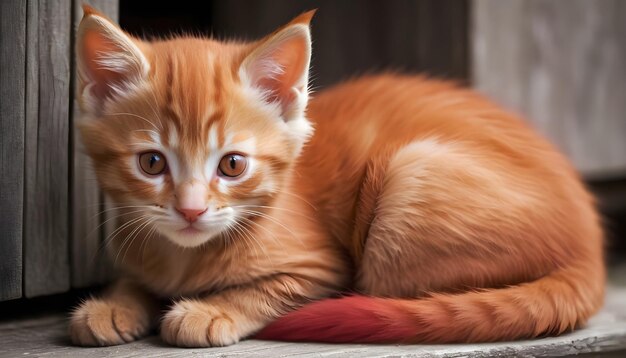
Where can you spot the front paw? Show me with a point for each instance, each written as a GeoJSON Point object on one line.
{"type": "Point", "coordinates": [198, 324]}
{"type": "Point", "coordinates": [101, 323]}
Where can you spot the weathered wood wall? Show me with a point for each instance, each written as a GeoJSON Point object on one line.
{"type": "Point", "coordinates": [48, 50]}
{"type": "Point", "coordinates": [562, 64]}
{"type": "Point", "coordinates": [12, 89]}
{"type": "Point", "coordinates": [49, 223]}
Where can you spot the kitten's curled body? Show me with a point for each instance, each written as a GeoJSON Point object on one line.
{"type": "Point", "coordinates": [453, 205]}
{"type": "Point", "coordinates": [447, 218]}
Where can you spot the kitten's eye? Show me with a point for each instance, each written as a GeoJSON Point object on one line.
{"type": "Point", "coordinates": [233, 165]}
{"type": "Point", "coordinates": [152, 163]}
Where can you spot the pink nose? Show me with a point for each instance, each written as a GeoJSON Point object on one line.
{"type": "Point", "coordinates": [191, 215]}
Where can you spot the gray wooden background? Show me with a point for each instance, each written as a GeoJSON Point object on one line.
{"type": "Point", "coordinates": [563, 65]}
{"type": "Point", "coordinates": [49, 198]}
{"type": "Point", "coordinates": [560, 62]}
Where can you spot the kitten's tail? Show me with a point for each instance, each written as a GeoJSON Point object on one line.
{"type": "Point", "coordinates": [551, 305]}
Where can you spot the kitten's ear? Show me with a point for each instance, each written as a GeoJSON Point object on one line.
{"type": "Point", "coordinates": [109, 61]}
{"type": "Point", "coordinates": [279, 66]}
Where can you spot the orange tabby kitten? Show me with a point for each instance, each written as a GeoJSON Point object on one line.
{"type": "Point", "coordinates": [447, 218]}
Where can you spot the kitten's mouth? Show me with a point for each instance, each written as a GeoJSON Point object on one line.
{"type": "Point", "coordinates": [190, 230]}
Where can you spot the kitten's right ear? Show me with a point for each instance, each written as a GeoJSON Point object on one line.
{"type": "Point", "coordinates": [279, 66]}
{"type": "Point", "coordinates": [109, 62]}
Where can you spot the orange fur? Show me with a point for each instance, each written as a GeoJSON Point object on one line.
{"type": "Point", "coordinates": [454, 219]}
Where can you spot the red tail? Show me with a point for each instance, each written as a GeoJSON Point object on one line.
{"type": "Point", "coordinates": [348, 319]}
{"type": "Point", "coordinates": [551, 305]}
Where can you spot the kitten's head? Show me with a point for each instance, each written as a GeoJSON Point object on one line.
{"type": "Point", "coordinates": [195, 133]}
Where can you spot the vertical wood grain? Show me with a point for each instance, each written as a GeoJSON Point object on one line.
{"type": "Point", "coordinates": [561, 63]}
{"type": "Point", "coordinates": [12, 73]}
{"type": "Point", "coordinates": [351, 38]}
{"type": "Point", "coordinates": [46, 250]}
{"type": "Point", "coordinates": [89, 263]}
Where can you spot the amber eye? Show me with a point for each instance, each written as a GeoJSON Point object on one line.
{"type": "Point", "coordinates": [233, 165]}
{"type": "Point", "coordinates": [152, 163]}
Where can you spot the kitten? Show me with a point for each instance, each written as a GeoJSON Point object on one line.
{"type": "Point", "coordinates": [447, 218]}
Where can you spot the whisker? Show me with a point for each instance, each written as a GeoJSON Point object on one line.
{"type": "Point", "coordinates": [156, 113]}
{"type": "Point", "coordinates": [147, 238]}
{"type": "Point", "coordinates": [147, 131]}
{"type": "Point", "coordinates": [274, 220]}
{"type": "Point", "coordinates": [145, 218]}
{"type": "Point", "coordinates": [272, 236]}
{"type": "Point", "coordinates": [245, 235]}
{"type": "Point", "coordinates": [230, 241]}
{"type": "Point", "coordinates": [271, 208]}
{"type": "Point", "coordinates": [116, 232]}
{"type": "Point", "coordinates": [135, 115]}
{"type": "Point", "coordinates": [296, 196]}
{"type": "Point", "coordinates": [268, 217]}
{"type": "Point", "coordinates": [109, 219]}
{"type": "Point", "coordinates": [256, 241]}
{"type": "Point", "coordinates": [120, 208]}
{"type": "Point", "coordinates": [110, 237]}
{"type": "Point", "coordinates": [131, 204]}
{"type": "Point", "coordinates": [241, 234]}
{"type": "Point", "coordinates": [145, 225]}
{"type": "Point", "coordinates": [139, 145]}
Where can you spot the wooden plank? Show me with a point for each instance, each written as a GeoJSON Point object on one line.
{"type": "Point", "coordinates": [410, 36]}
{"type": "Point", "coordinates": [561, 63]}
{"type": "Point", "coordinates": [88, 261]}
{"type": "Point", "coordinates": [46, 259]}
{"type": "Point", "coordinates": [606, 332]}
{"type": "Point", "coordinates": [12, 88]}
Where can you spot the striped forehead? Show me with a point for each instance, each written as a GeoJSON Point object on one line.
{"type": "Point", "coordinates": [189, 83]}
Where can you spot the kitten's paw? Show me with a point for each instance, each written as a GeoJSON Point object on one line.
{"type": "Point", "coordinates": [198, 324]}
{"type": "Point", "coordinates": [101, 323]}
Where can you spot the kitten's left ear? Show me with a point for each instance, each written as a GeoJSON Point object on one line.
{"type": "Point", "coordinates": [279, 66]}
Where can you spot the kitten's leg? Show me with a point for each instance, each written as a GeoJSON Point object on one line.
{"type": "Point", "coordinates": [123, 314]}
{"type": "Point", "coordinates": [450, 218]}
{"type": "Point", "coordinates": [231, 315]}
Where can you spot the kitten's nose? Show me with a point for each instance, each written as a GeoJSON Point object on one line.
{"type": "Point", "coordinates": [191, 200]}
{"type": "Point", "coordinates": [191, 215]}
